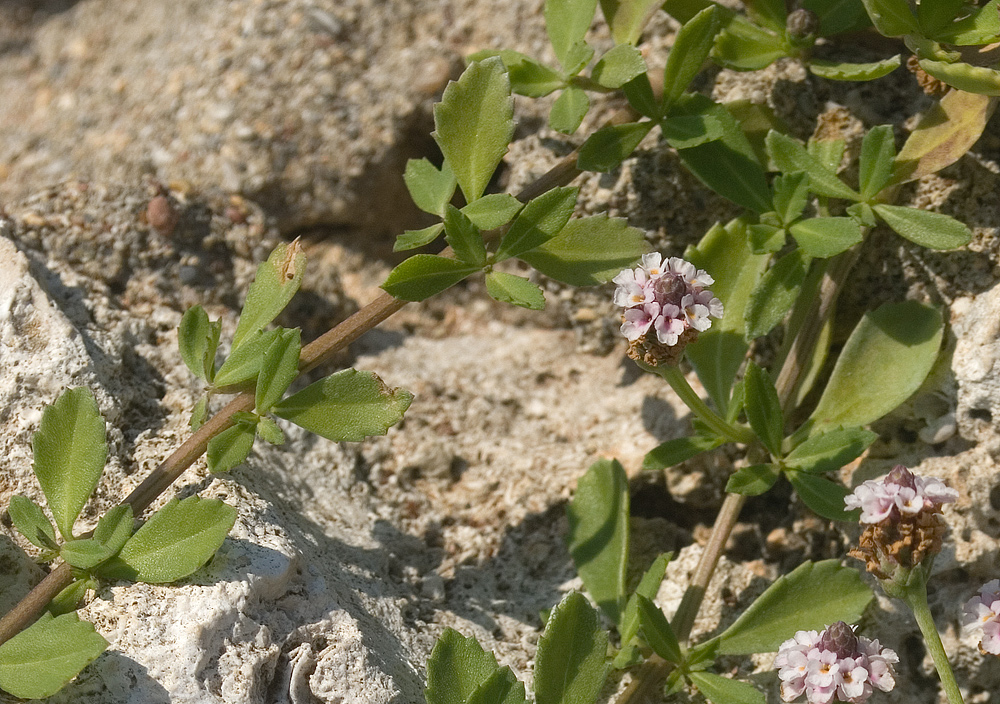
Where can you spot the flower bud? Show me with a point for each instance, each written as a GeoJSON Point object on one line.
{"type": "Point", "coordinates": [802, 26]}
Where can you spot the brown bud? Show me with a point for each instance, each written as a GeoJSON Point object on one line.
{"type": "Point", "coordinates": [650, 351]}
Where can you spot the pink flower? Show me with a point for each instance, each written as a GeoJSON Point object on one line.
{"type": "Point", "coordinates": [835, 665]}
{"type": "Point", "coordinates": [900, 493]}
{"type": "Point", "coordinates": [983, 611]}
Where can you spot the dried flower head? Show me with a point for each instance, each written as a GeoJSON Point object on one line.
{"type": "Point", "coordinates": [834, 666]}
{"type": "Point", "coordinates": [667, 303]}
{"type": "Point", "coordinates": [903, 516]}
{"type": "Point", "coordinates": [982, 613]}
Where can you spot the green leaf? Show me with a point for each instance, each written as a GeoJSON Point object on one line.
{"type": "Point", "coordinates": [684, 10]}
{"type": "Point", "coordinates": [981, 27]}
{"type": "Point", "coordinates": [474, 123]}
{"type": "Point", "coordinates": [430, 188]}
{"type": "Point", "coordinates": [568, 110]}
{"type": "Point", "coordinates": [824, 497]}
{"type": "Point", "coordinates": [836, 16]}
{"type": "Point", "coordinates": [812, 596]}
{"type": "Point", "coordinates": [944, 134]}
{"type": "Point", "coordinates": [691, 48]}
{"type": "Point", "coordinates": [775, 294]}
{"type": "Point", "coordinates": [411, 239]}
{"type": "Point", "coordinates": [639, 93]}
{"type": "Point", "coordinates": [464, 237]}
{"type": "Point", "coordinates": [276, 282]}
{"type": "Point", "coordinates": [68, 600]}
{"type": "Point", "coordinates": [971, 79]}
{"type": "Point", "coordinates": [829, 451]}
{"type": "Point", "coordinates": [527, 76]}
{"type": "Point", "coordinates": [618, 66]}
{"type": "Point", "coordinates": [763, 408]}
{"type": "Point", "coordinates": [769, 13]}
{"type": "Point", "coordinates": [840, 71]}
{"type": "Point", "coordinates": [424, 275]}
{"type": "Point", "coordinates": [648, 587]}
{"type": "Point", "coordinates": [829, 152]}
{"type": "Point", "coordinates": [892, 18]}
{"type": "Point", "coordinates": [457, 668]}
{"type": "Point", "coordinates": [599, 534]}
{"type": "Point", "coordinates": [31, 522]}
{"type": "Point", "coordinates": [278, 370]}
{"type": "Point", "coordinates": [878, 150]}
{"type": "Point", "coordinates": [579, 56]}
{"type": "Point", "coordinates": [349, 405]}
{"type": "Point", "coordinates": [743, 46]}
{"type": "Point", "coordinates": [686, 131]}
{"type": "Point", "coordinates": [492, 211]}
{"type": "Point", "coordinates": [788, 155]}
{"type": "Point", "coordinates": [673, 452]}
{"type": "Point", "coordinates": [269, 431]}
{"type": "Point", "coordinates": [198, 338]}
{"type": "Point", "coordinates": [41, 659]}
{"type": "Point", "coordinates": [931, 230]}
{"type": "Point", "coordinates": [177, 540]}
{"type": "Point", "coordinates": [791, 192]}
{"type": "Point", "coordinates": [115, 528]}
{"type": "Point", "coordinates": [826, 237]}
{"type": "Point", "coordinates": [230, 448]}
{"type": "Point", "coordinates": [933, 16]}
{"type": "Point", "coordinates": [753, 480]}
{"type": "Point", "coordinates": [723, 690]}
{"type": "Point", "coordinates": [567, 22]}
{"type": "Point", "coordinates": [884, 361]}
{"type": "Point", "coordinates": [766, 239]}
{"type": "Point", "coordinates": [657, 631]}
{"type": "Point", "coordinates": [243, 363]}
{"type": "Point", "coordinates": [199, 413]}
{"type": "Point", "coordinates": [627, 18]}
{"type": "Point", "coordinates": [516, 290]}
{"type": "Point", "coordinates": [84, 553]}
{"type": "Point", "coordinates": [606, 148]}
{"type": "Point", "coordinates": [70, 450]}
{"type": "Point", "coordinates": [569, 665]}
{"type": "Point", "coordinates": [540, 220]}
{"type": "Point", "coordinates": [588, 251]}
{"type": "Point", "coordinates": [728, 165]}
{"type": "Point", "coordinates": [718, 352]}
{"type": "Point", "coordinates": [502, 687]}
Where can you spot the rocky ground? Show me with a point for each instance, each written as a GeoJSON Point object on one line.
{"type": "Point", "coordinates": [151, 154]}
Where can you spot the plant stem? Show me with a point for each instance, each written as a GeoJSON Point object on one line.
{"type": "Point", "coordinates": [915, 596]}
{"type": "Point", "coordinates": [679, 383]}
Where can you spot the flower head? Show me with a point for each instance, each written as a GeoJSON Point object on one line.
{"type": "Point", "coordinates": [983, 612]}
{"type": "Point", "coordinates": [834, 666]}
{"type": "Point", "coordinates": [667, 303]}
{"type": "Point", "coordinates": [902, 513]}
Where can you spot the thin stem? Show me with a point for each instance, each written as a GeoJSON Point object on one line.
{"type": "Point", "coordinates": [679, 383]}
{"type": "Point", "coordinates": [916, 598]}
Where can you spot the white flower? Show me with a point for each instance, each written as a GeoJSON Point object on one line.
{"type": "Point", "coordinates": [983, 612]}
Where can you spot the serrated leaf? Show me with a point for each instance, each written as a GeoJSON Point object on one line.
{"type": "Point", "coordinates": [824, 497]}
{"type": "Point", "coordinates": [31, 522]}
{"type": "Point", "coordinates": [527, 76]}
{"type": "Point", "coordinates": [243, 363]}
{"type": "Point", "coordinates": [474, 123]}
{"type": "Point", "coordinates": [878, 150]}
{"type": "Point", "coordinates": [541, 219]}
{"type": "Point", "coordinates": [723, 690]}
{"type": "Point", "coordinates": [788, 155]}
{"type": "Point", "coordinates": [276, 282]}
{"type": "Point", "coordinates": [464, 237]}
{"type": "Point", "coordinates": [70, 450]}
{"type": "Point", "coordinates": [177, 540]}
{"type": "Point", "coordinates": [841, 71]}
{"type": "Point", "coordinates": [568, 110]}
{"type": "Point", "coordinates": [430, 188]}
{"type": "Point", "coordinates": [826, 237]}
{"type": "Point", "coordinates": [766, 239]}
{"type": "Point", "coordinates": [829, 451]}
{"type": "Point", "coordinates": [516, 290]}
{"type": "Point", "coordinates": [599, 534]}
{"type": "Point", "coordinates": [746, 47]}
{"type": "Point", "coordinates": [198, 339]}
{"type": "Point", "coordinates": [691, 48]}
{"type": "Point", "coordinates": [588, 251]}
{"type": "Point", "coordinates": [673, 452]}
{"type": "Point", "coordinates": [753, 480]}
{"type": "Point", "coordinates": [502, 687]}
{"type": "Point", "coordinates": [567, 22]}
{"type": "Point", "coordinates": [230, 448]}
{"type": "Point", "coordinates": [931, 230]}
{"type": "Point", "coordinates": [763, 408]}
{"type": "Point", "coordinates": [686, 131]}
{"type": "Point", "coordinates": [269, 431]}
{"type": "Point", "coordinates": [811, 597]}
{"type": "Point", "coordinates": [278, 370]}
{"type": "Point", "coordinates": [775, 294]}
{"type": "Point", "coordinates": [39, 660]}
{"type": "Point", "coordinates": [492, 211]}
{"type": "Point", "coordinates": [457, 667]}
{"type": "Point", "coordinates": [349, 405]}
{"type": "Point", "coordinates": [829, 152]}
{"type": "Point", "coordinates": [618, 66]}
{"type": "Point", "coordinates": [657, 631]}
{"type": "Point", "coordinates": [411, 239]}
{"type": "Point", "coordinates": [424, 275]}
{"type": "Point", "coordinates": [791, 192]}
{"type": "Point", "coordinates": [569, 665]}
{"type": "Point", "coordinates": [892, 18]}
{"type": "Point", "coordinates": [627, 18]}
{"type": "Point", "coordinates": [609, 146]}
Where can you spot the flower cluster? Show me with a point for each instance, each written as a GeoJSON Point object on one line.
{"type": "Point", "coordinates": [983, 612]}
{"type": "Point", "coordinates": [668, 298]}
{"type": "Point", "coordinates": [834, 666]}
{"type": "Point", "coordinates": [903, 516]}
